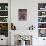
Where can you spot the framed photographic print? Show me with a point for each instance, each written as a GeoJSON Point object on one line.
{"type": "Point", "coordinates": [4, 29]}
{"type": "Point", "coordinates": [42, 32]}
{"type": "Point", "coordinates": [3, 19]}
{"type": "Point", "coordinates": [41, 6]}
{"type": "Point", "coordinates": [41, 25]}
{"type": "Point", "coordinates": [3, 13]}
{"type": "Point", "coordinates": [41, 19]}
{"type": "Point", "coordinates": [22, 14]}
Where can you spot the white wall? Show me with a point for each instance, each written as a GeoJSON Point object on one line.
{"type": "Point", "coordinates": [32, 9]}
{"type": "Point", "coordinates": [32, 12]}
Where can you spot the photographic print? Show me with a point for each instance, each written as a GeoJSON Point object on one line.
{"type": "Point", "coordinates": [41, 19]}
{"type": "Point", "coordinates": [3, 6]}
{"type": "Point", "coordinates": [42, 32]}
{"type": "Point", "coordinates": [3, 13]}
{"type": "Point", "coordinates": [3, 19]}
{"type": "Point", "coordinates": [22, 13]}
{"type": "Point", "coordinates": [41, 25]}
{"type": "Point", "coordinates": [41, 13]}
{"type": "Point", "coordinates": [41, 6]}
{"type": "Point", "coordinates": [4, 29]}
